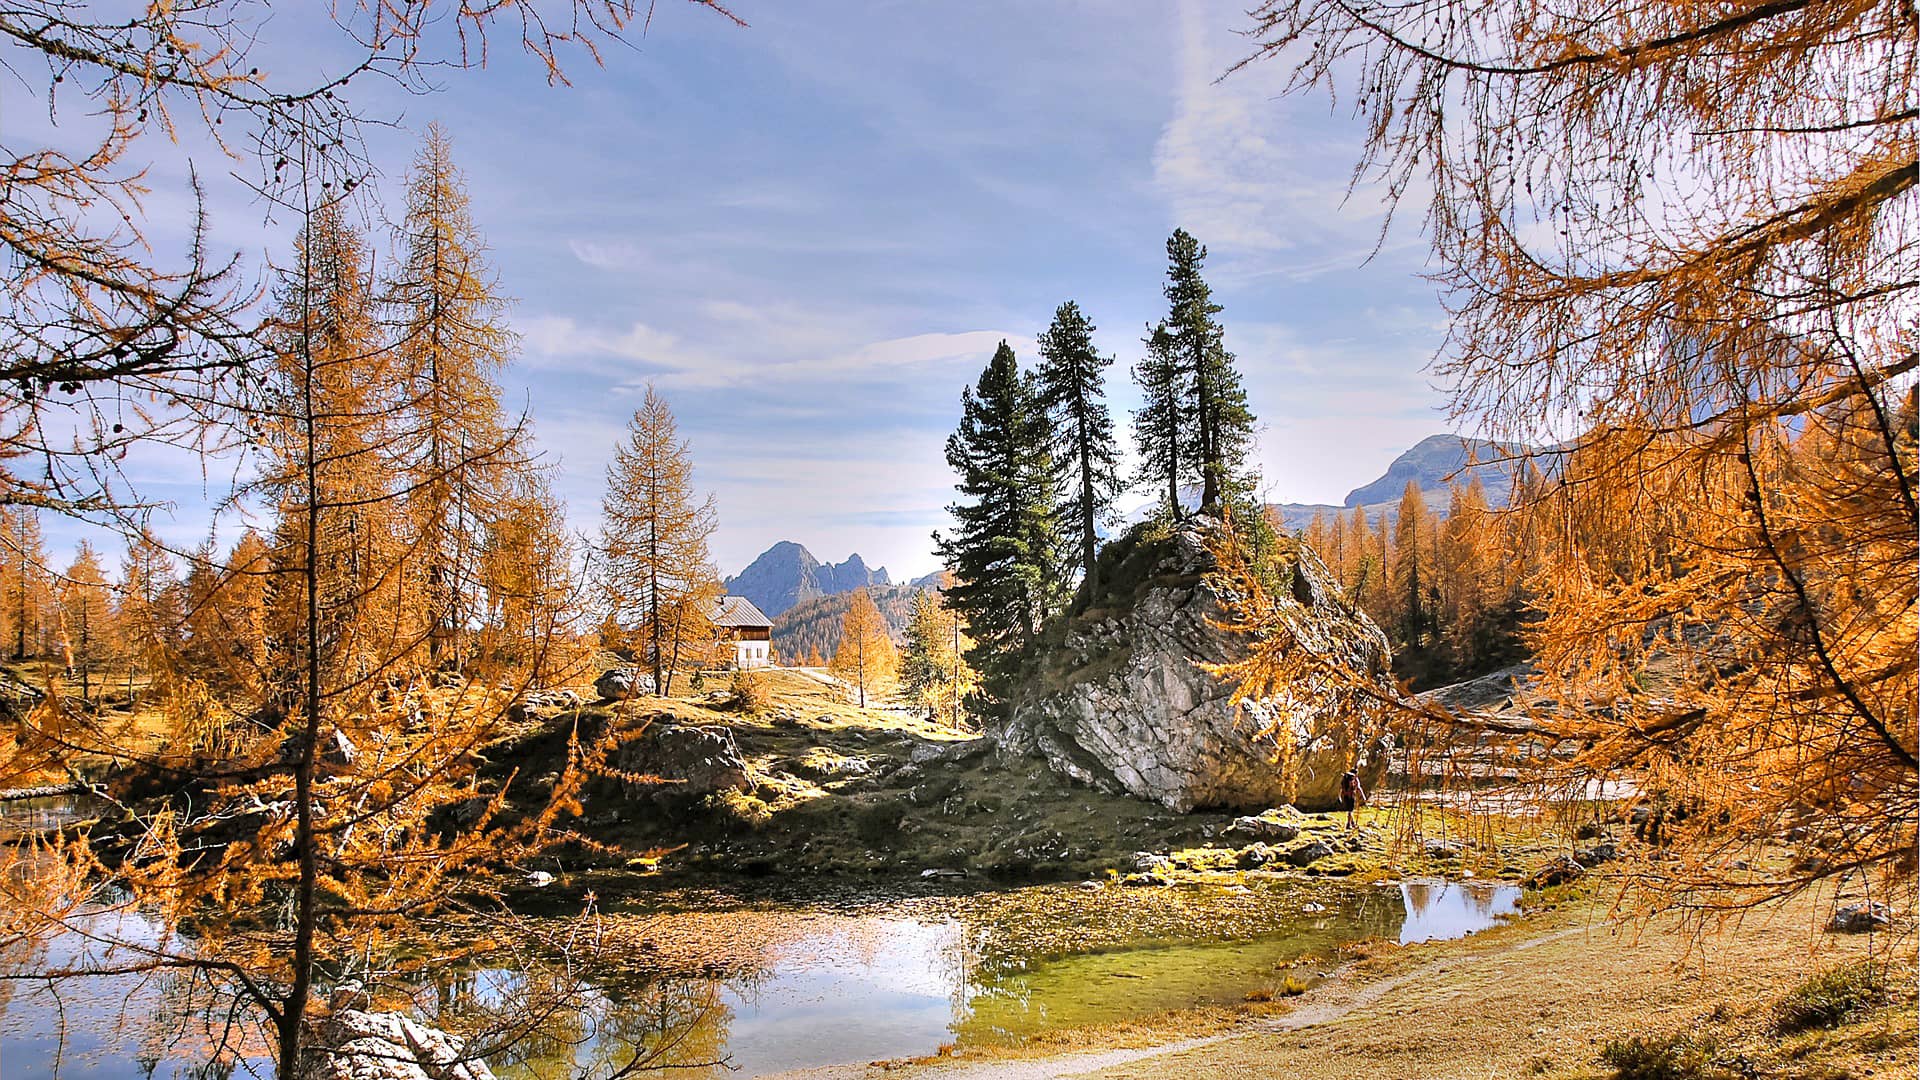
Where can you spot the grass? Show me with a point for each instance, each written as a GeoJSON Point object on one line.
{"type": "Point", "coordinates": [1836, 996]}
{"type": "Point", "coordinates": [1682, 1056]}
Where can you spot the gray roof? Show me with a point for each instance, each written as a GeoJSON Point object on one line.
{"type": "Point", "coordinates": [739, 611]}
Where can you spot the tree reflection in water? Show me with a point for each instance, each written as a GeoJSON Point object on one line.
{"type": "Point", "coordinates": [1439, 910]}
{"type": "Point", "coordinates": [545, 1021]}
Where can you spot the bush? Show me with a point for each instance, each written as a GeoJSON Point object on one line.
{"type": "Point", "coordinates": [749, 691]}
{"type": "Point", "coordinates": [1674, 1057]}
{"type": "Point", "coordinates": [1835, 996]}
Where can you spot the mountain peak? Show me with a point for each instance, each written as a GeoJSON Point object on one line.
{"type": "Point", "coordinates": [787, 574]}
{"type": "Point", "coordinates": [1437, 460]}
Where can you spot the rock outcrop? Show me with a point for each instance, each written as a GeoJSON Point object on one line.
{"type": "Point", "coordinates": [681, 760]}
{"type": "Point", "coordinates": [1121, 697]}
{"type": "Point", "coordinates": [356, 1045]}
{"type": "Point", "coordinates": [621, 683]}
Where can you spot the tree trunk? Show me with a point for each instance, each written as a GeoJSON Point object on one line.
{"type": "Point", "coordinates": [1087, 540]}
{"type": "Point", "coordinates": [293, 1011]}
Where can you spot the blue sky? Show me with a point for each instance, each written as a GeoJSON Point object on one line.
{"type": "Point", "coordinates": [810, 233]}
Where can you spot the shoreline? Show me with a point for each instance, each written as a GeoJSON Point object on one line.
{"type": "Point", "coordinates": [1539, 995]}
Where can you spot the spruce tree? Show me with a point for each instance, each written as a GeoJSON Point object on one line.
{"type": "Point", "coordinates": [1002, 549]}
{"type": "Point", "coordinates": [1160, 425]}
{"type": "Point", "coordinates": [1221, 423]}
{"type": "Point", "coordinates": [1072, 390]}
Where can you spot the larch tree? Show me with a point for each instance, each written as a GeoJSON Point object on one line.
{"type": "Point", "coordinates": [101, 319]}
{"type": "Point", "coordinates": [866, 657]}
{"type": "Point", "coordinates": [147, 618]}
{"type": "Point", "coordinates": [1162, 425]}
{"type": "Point", "coordinates": [653, 539]}
{"type": "Point", "coordinates": [84, 602]}
{"type": "Point", "coordinates": [331, 792]}
{"type": "Point", "coordinates": [931, 664]}
{"type": "Point", "coordinates": [527, 561]}
{"type": "Point", "coordinates": [23, 557]}
{"type": "Point", "coordinates": [1411, 574]}
{"type": "Point", "coordinates": [1071, 383]}
{"type": "Point", "coordinates": [1002, 550]}
{"type": "Point", "coordinates": [450, 340]}
{"type": "Point", "coordinates": [1686, 236]}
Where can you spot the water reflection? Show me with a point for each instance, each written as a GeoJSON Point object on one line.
{"type": "Point", "coordinates": [1439, 910]}
{"type": "Point", "coordinates": [828, 987]}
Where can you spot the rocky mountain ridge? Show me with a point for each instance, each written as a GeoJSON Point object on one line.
{"type": "Point", "coordinates": [787, 574]}
{"type": "Point", "coordinates": [1434, 463]}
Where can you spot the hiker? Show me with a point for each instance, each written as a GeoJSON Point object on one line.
{"type": "Point", "coordinates": [1352, 795]}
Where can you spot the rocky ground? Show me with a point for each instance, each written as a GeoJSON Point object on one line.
{"type": "Point", "coordinates": [811, 791]}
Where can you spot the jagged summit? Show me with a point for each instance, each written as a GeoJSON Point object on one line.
{"type": "Point", "coordinates": [787, 574]}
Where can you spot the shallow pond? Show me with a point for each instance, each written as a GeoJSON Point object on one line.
{"type": "Point", "coordinates": [797, 984]}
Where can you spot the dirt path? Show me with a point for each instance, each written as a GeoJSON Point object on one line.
{"type": "Point", "coordinates": [1533, 999]}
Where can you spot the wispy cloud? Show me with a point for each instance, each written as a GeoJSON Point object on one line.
{"type": "Point", "coordinates": [761, 352]}
{"type": "Point", "coordinates": [1261, 179]}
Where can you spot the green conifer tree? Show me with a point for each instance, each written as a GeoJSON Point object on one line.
{"type": "Point", "coordinates": [1071, 384]}
{"type": "Point", "coordinates": [1221, 423]}
{"type": "Point", "coordinates": [1161, 424]}
{"type": "Point", "coordinates": [1002, 550]}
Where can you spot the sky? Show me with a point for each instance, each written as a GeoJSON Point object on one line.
{"type": "Point", "coordinates": [810, 233]}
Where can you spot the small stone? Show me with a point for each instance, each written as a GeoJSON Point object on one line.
{"type": "Point", "coordinates": [1263, 827]}
{"type": "Point", "coordinates": [1308, 853]}
{"type": "Point", "coordinates": [1557, 871]}
{"type": "Point", "coordinates": [1860, 918]}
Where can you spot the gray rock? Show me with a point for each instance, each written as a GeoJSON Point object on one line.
{"type": "Point", "coordinates": [1556, 871]}
{"type": "Point", "coordinates": [354, 1045]}
{"type": "Point", "coordinates": [1308, 853]}
{"type": "Point", "coordinates": [1264, 828]}
{"type": "Point", "coordinates": [1126, 703]}
{"type": "Point", "coordinates": [948, 753]}
{"type": "Point", "coordinates": [1253, 856]}
{"type": "Point", "coordinates": [1860, 918]}
{"type": "Point", "coordinates": [541, 702]}
{"type": "Point", "coordinates": [686, 759]}
{"type": "Point", "coordinates": [1146, 880]}
{"type": "Point", "coordinates": [1148, 862]}
{"type": "Point", "coordinates": [621, 683]}
{"type": "Point", "coordinates": [1597, 854]}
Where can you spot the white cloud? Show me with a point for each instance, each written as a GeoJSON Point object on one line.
{"type": "Point", "coordinates": [752, 351]}
{"type": "Point", "coordinates": [1260, 179]}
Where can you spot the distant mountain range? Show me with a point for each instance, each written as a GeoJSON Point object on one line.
{"type": "Point", "coordinates": [1434, 463]}
{"type": "Point", "coordinates": [787, 574]}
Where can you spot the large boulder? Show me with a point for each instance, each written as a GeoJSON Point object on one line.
{"type": "Point", "coordinates": [355, 1045]}
{"type": "Point", "coordinates": [1123, 697]}
{"type": "Point", "coordinates": [621, 683]}
{"type": "Point", "coordinates": [681, 759]}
